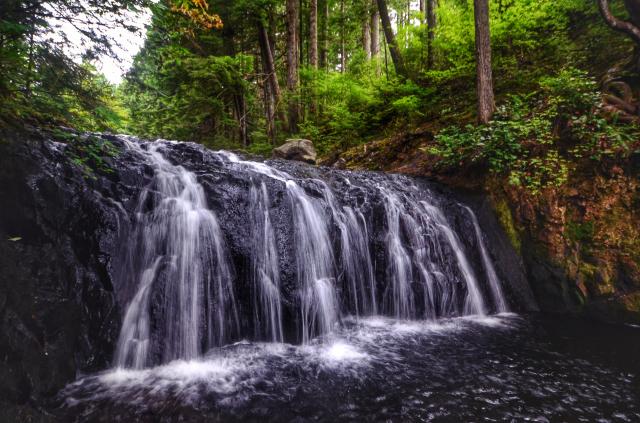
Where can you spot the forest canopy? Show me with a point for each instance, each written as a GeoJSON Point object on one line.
{"type": "Point", "coordinates": [249, 74]}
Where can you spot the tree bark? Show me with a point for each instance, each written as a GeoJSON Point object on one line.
{"type": "Point", "coordinates": [313, 33]}
{"type": "Point", "coordinates": [240, 107]}
{"type": "Point", "coordinates": [268, 60]}
{"type": "Point", "coordinates": [343, 41]}
{"type": "Point", "coordinates": [324, 46]}
{"type": "Point", "coordinates": [396, 57]}
{"type": "Point", "coordinates": [29, 66]}
{"type": "Point", "coordinates": [293, 63]}
{"type": "Point", "coordinates": [375, 30]}
{"type": "Point", "coordinates": [630, 28]}
{"type": "Point", "coordinates": [366, 35]}
{"type": "Point", "coordinates": [486, 103]}
{"type": "Point", "coordinates": [271, 86]}
{"type": "Point", "coordinates": [301, 38]}
{"type": "Point", "coordinates": [431, 28]}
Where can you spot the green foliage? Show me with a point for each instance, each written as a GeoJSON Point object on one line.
{"type": "Point", "coordinates": [195, 80]}
{"type": "Point", "coordinates": [39, 81]}
{"type": "Point", "coordinates": [571, 91]}
{"type": "Point", "coordinates": [89, 152]}
{"type": "Point", "coordinates": [527, 139]}
{"type": "Point", "coordinates": [186, 97]}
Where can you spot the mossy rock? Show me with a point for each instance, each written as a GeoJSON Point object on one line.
{"type": "Point", "coordinates": [503, 213]}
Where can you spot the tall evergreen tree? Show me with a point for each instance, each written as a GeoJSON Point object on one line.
{"type": "Point", "coordinates": [394, 50]}
{"type": "Point", "coordinates": [484, 77]}
{"type": "Point", "coordinates": [293, 64]}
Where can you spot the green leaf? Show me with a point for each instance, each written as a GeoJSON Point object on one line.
{"type": "Point", "coordinates": [15, 239]}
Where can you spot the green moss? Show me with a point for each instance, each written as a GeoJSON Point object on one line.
{"type": "Point", "coordinates": [582, 232]}
{"type": "Point", "coordinates": [589, 271]}
{"type": "Point", "coordinates": [503, 212]}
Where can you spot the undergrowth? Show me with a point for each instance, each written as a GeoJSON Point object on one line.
{"type": "Point", "coordinates": [535, 138]}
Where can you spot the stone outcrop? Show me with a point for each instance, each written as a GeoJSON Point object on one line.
{"type": "Point", "coordinates": [296, 149]}
{"type": "Point", "coordinates": [58, 313]}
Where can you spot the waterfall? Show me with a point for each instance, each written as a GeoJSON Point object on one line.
{"type": "Point", "coordinates": [399, 296]}
{"type": "Point", "coordinates": [356, 262]}
{"type": "Point", "coordinates": [288, 252]}
{"type": "Point", "coordinates": [315, 264]}
{"type": "Point", "coordinates": [494, 283]}
{"type": "Point", "coordinates": [357, 268]}
{"type": "Point", "coordinates": [267, 311]}
{"type": "Point", "coordinates": [176, 243]}
{"type": "Point", "coordinates": [412, 254]}
{"type": "Point", "coordinates": [314, 257]}
{"type": "Point", "coordinates": [474, 303]}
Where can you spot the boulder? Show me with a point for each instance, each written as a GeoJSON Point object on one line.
{"type": "Point", "coordinates": [299, 149]}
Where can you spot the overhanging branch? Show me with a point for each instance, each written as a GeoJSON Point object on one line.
{"type": "Point", "coordinates": [620, 25]}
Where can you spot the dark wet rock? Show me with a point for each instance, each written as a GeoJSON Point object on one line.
{"type": "Point", "coordinates": [57, 234]}
{"type": "Point", "coordinates": [61, 257]}
{"type": "Point", "coordinates": [296, 149]}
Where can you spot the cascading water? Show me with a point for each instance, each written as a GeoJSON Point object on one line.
{"type": "Point", "coordinates": [357, 267]}
{"type": "Point", "coordinates": [474, 302]}
{"type": "Point", "coordinates": [487, 263]}
{"type": "Point", "coordinates": [315, 264]}
{"type": "Point", "coordinates": [176, 242]}
{"type": "Point", "coordinates": [386, 282]}
{"type": "Point", "coordinates": [363, 248]}
{"type": "Point", "coordinates": [267, 309]}
{"type": "Point", "coordinates": [399, 270]}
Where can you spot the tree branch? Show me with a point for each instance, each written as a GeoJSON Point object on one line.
{"type": "Point", "coordinates": [620, 25]}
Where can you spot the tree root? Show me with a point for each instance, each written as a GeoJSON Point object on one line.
{"type": "Point", "coordinates": [618, 102]}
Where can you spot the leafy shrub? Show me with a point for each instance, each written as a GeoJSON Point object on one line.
{"type": "Point", "coordinates": [89, 152]}
{"type": "Point", "coordinates": [524, 141]}
{"type": "Point", "coordinates": [571, 92]}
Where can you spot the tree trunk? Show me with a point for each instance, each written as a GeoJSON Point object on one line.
{"type": "Point", "coordinates": [343, 49]}
{"type": "Point", "coordinates": [396, 57]}
{"type": "Point", "coordinates": [301, 38]}
{"type": "Point", "coordinates": [375, 30]}
{"type": "Point", "coordinates": [486, 104]}
{"type": "Point", "coordinates": [293, 63]}
{"type": "Point", "coordinates": [240, 107]}
{"type": "Point", "coordinates": [431, 25]}
{"type": "Point", "coordinates": [366, 35]}
{"type": "Point", "coordinates": [313, 49]}
{"type": "Point", "coordinates": [313, 33]}
{"type": "Point", "coordinates": [269, 63]}
{"type": "Point", "coordinates": [324, 50]}
{"type": "Point", "coordinates": [271, 85]}
{"type": "Point", "coordinates": [30, 65]}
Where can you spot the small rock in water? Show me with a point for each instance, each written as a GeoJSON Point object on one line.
{"type": "Point", "coordinates": [296, 149]}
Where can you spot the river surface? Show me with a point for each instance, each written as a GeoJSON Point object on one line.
{"type": "Point", "coordinates": [491, 368]}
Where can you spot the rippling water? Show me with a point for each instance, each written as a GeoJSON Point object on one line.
{"type": "Point", "coordinates": [501, 368]}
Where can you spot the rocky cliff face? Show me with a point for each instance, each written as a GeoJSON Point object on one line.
{"type": "Point", "coordinates": [58, 314]}
{"type": "Point", "coordinates": [66, 209]}
{"type": "Point", "coordinates": [580, 243]}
